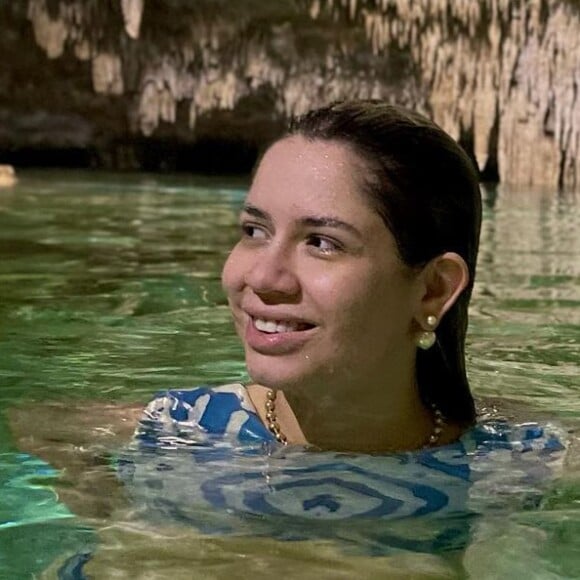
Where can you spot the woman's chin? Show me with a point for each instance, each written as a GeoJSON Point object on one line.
{"type": "Point", "coordinates": [276, 374]}
{"type": "Point", "coordinates": [273, 380]}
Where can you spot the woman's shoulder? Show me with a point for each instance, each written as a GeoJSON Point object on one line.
{"type": "Point", "coordinates": [180, 402]}
{"type": "Point", "coordinates": [191, 415]}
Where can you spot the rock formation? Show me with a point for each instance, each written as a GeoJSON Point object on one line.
{"type": "Point", "coordinates": [117, 78]}
{"type": "Point", "coordinates": [7, 176]}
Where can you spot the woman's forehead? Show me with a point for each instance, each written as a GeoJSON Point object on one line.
{"type": "Point", "coordinates": [316, 175]}
{"type": "Point", "coordinates": [315, 158]}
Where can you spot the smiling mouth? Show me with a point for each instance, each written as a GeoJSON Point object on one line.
{"type": "Point", "coordinates": [280, 326]}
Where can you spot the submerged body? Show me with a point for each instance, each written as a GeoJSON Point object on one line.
{"type": "Point", "coordinates": [203, 456]}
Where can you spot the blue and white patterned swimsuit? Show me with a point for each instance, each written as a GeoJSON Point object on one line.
{"type": "Point", "coordinates": [203, 456]}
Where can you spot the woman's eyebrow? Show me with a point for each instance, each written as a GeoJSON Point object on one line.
{"type": "Point", "coordinates": [311, 221]}
{"type": "Point", "coordinates": [330, 222]}
{"type": "Point", "coordinates": [256, 212]}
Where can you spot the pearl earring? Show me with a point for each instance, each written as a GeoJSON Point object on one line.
{"type": "Point", "coordinates": [426, 338]}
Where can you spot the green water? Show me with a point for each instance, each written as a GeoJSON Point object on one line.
{"type": "Point", "coordinates": [109, 291]}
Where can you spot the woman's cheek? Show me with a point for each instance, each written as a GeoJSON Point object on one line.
{"type": "Point", "coordinates": [232, 274]}
{"type": "Point", "coordinates": [343, 287]}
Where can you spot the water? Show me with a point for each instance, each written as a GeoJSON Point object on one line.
{"type": "Point", "coordinates": [109, 291]}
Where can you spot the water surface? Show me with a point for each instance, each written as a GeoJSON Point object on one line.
{"type": "Point", "coordinates": [109, 291]}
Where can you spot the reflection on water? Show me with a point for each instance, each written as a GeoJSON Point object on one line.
{"type": "Point", "coordinates": [525, 329]}
{"type": "Point", "coordinates": [109, 289]}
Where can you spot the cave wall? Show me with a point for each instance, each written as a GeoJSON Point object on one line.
{"type": "Point", "coordinates": [174, 83]}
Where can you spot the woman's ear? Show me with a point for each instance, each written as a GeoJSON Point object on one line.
{"type": "Point", "coordinates": [444, 277]}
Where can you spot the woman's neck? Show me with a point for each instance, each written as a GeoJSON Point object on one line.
{"type": "Point", "coordinates": [372, 418]}
{"type": "Point", "coordinates": [378, 423]}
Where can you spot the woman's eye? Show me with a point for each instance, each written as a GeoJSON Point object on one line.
{"type": "Point", "coordinates": [324, 245]}
{"type": "Point", "coordinates": [252, 231]}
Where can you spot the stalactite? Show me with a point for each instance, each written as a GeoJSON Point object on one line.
{"type": "Point", "coordinates": [107, 74]}
{"type": "Point", "coordinates": [505, 72]}
{"type": "Point", "coordinates": [522, 75]}
{"type": "Point", "coordinates": [315, 9]}
{"type": "Point", "coordinates": [148, 109]}
{"type": "Point", "coordinates": [49, 34]}
{"type": "Point", "coordinates": [132, 14]}
{"type": "Point", "coordinates": [82, 50]}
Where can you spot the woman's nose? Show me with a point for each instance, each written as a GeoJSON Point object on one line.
{"type": "Point", "coordinates": [273, 275]}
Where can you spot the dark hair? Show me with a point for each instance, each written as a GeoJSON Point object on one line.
{"type": "Point", "coordinates": [426, 190]}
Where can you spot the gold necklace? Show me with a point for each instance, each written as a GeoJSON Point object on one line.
{"type": "Point", "coordinates": [439, 425]}
{"type": "Point", "coordinates": [274, 426]}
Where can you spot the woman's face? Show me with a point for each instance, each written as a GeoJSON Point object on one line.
{"type": "Point", "coordinates": [315, 284]}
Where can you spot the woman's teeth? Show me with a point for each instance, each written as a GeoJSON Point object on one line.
{"type": "Point", "coordinates": [271, 326]}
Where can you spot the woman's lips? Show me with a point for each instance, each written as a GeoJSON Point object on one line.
{"type": "Point", "coordinates": [276, 336]}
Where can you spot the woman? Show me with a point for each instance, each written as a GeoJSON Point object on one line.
{"type": "Point", "coordinates": [349, 288]}
{"type": "Point", "coordinates": [350, 284]}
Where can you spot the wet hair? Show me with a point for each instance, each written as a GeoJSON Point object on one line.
{"type": "Point", "coordinates": [426, 190]}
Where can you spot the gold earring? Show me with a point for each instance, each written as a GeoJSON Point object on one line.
{"type": "Point", "coordinates": [426, 338]}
